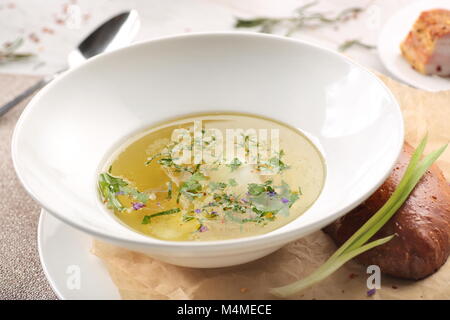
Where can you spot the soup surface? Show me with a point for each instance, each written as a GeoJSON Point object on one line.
{"type": "Point", "coordinates": [212, 177]}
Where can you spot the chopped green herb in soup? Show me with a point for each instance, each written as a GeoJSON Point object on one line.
{"type": "Point", "coordinates": [212, 177]}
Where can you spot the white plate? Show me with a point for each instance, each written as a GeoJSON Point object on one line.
{"type": "Point", "coordinates": [394, 32]}
{"type": "Point", "coordinates": [65, 253]}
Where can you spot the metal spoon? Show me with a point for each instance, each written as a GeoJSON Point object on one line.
{"type": "Point", "coordinates": [115, 33]}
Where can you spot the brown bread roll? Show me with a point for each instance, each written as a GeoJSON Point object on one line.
{"type": "Point", "coordinates": [421, 225]}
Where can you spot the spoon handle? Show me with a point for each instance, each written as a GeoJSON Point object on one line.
{"type": "Point", "coordinates": [25, 94]}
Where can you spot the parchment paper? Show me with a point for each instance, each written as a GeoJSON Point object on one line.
{"type": "Point", "coordinates": [140, 277]}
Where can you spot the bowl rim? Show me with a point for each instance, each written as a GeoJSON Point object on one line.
{"type": "Point", "coordinates": [273, 239]}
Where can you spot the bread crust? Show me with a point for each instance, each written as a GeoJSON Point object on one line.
{"type": "Point", "coordinates": [422, 225]}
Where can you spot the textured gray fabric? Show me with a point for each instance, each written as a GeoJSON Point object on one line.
{"type": "Point", "coordinates": [21, 274]}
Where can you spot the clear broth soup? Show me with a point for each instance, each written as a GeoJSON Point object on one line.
{"type": "Point", "coordinates": [212, 177]}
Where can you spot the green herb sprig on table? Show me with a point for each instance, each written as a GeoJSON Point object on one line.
{"type": "Point", "coordinates": [355, 42]}
{"type": "Point", "coordinates": [9, 52]}
{"type": "Point", "coordinates": [357, 243]}
{"type": "Point", "coordinates": [302, 18]}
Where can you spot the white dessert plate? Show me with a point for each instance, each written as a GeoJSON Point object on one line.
{"type": "Point", "coordinates": [72, 271]}
{"type": "Point", "coordinates": [394, 32]}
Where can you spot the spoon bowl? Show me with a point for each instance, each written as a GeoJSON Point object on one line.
{"type": "Point", "coordinates": [115, 33]}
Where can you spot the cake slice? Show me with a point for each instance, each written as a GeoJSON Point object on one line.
{"type": "Point", "coordinates": [427, 46]}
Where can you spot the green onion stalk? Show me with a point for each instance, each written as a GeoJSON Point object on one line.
{"type": "Point", "coordinates": [358, 242]}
